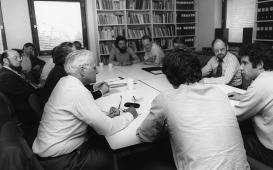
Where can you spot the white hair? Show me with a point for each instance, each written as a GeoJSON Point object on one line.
{"type": "Point", "coordinates": [77, 59]}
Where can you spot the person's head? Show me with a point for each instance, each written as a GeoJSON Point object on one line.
{"type": "Point", "coordinates": [29, 49]}
{"type": "Point", "coordinates": [255, 58]}
{"type": "Point", "coordinates": [178, 43]}
{"type": "Point", "coordinates": [219, 47]}
{"type": "Point", "coordinates": [121, 44]}
{"type": "Point", "coordinates": [61, 51]}
{"type": "Point", "coordinates": [147, 43]}
{"type": "Point", "coordinates": [181, 68]}
{"type": "Point", "coordinates": [77, 45]}
{"type": "Point", "coordinates": [11, 59]}
{"type": "Point", "coordinates": [82, 65]}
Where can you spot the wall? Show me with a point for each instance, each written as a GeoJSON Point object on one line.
{"type": "Point", "coordinates": [17, 22]}
{"type": "Point", "coordinates": [209, 17]}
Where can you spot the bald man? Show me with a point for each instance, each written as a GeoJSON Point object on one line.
{"type": "Point", "coordinates": [14, 86]}
{"type": "Point", "coordinates": [223, 68]}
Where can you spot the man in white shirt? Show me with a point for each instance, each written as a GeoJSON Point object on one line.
{"type": "Point", "coordinates": [61, 138]}
{"type": "Point", "coordinates": [256, 105]}
{"type": "Point", "coordinates": [200, 121]}
{"type": "Point", "coordinates": [223, 68]}
{"type": "Point", "coordinates": [153, 53]}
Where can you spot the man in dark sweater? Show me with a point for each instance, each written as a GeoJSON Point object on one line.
{"type": "Point", "coordinates": [14, 86]}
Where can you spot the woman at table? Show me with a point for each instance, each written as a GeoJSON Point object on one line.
{"type": "Point", "coordinates": [121, 54]}
{"type": "Point", "coordinates": [201, 123]}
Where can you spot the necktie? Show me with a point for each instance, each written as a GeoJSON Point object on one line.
{"type": "Point", "coordinates": [219, 68]}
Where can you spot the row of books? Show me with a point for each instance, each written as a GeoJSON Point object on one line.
{"type": "Point", "coordinates": [111, 4]}
{"type": "Point", "coordinates": [138, 4]}
{"type": "Point", "coordinates": [265, 11]}
{"type": "Point", "coordinates": [265, 31]}
{"type": "Point", "coordinates": [185, 5]}
{"type": "Point", "coordinates": [163, 4]}
{"type": "Point", "coordinates": [185, 17]}
{"type": "Point", "coordinates": [138, 32]}
{"type": "Point", "coordinates": [189, 41]}
{"type": "Point", "coordinates": [165, 43]}
{"type": "Point", "coordinates": [105, 47]}
{"type": "Point", "coordinates": [110, 33]}
{"type": "Point", "coordinates": [138, 18]}
{"type": "Point", "coordinates": [136, 45]}
{"type": "Point", "coordinates": [185, 30]}
{"type": "Point", "coordinates": [115, 18]}
{"type": "Point", "coordinates": [164, 31]}
{"type": "Point", "coordinates": [163, 17]}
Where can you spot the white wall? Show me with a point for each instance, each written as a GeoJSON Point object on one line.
{"type": "Point", "coordinates": [209, 17]}
{"type": "Point", "coordinates": [17, 22]}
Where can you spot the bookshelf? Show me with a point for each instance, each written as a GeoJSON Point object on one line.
{"type": "Point", "coordinates": [163, 20]}
{"type": "Point", "coordinates": [264, 21]}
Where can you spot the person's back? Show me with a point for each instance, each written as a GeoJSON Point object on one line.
{"type": "Point", "coordinates": [204, 131]}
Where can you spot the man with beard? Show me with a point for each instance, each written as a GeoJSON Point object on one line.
{"type": "Point", "coordinates": [121, 54]}
{"type": "Point", "coordinates": [223, 68]}
{"type": "Point", "coordinates": [18, 91]}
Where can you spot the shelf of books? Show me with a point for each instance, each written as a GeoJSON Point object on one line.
{"type": "Point", "coordinates": [163, 20]}
{"type": "Point", "coordinates": [264, 21]}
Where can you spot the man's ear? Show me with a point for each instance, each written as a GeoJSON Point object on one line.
{"type": "Point", "coordinates": [81, 71]}
{"type": "Point", "coordinates": [260, 65]}
{"type": "Point", "coordinates": [5, 62]}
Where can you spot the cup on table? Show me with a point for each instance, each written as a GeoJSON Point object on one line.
{"type": "Point", "coordinates": [110, 66]}
{"type": "Point", "coordinates": [101, 65]}
{"type": "Point", "coordinates": [130, 83]}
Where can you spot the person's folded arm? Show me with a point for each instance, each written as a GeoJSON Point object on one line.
{"type": "Point", "coordinates": [88, 111]}
{"type": "Point", "coordinates": [153, 126]}
{"type": "Point", "coordinates": [231, 70]}
{"type": "Point", "coordinates": [207, 69]}
{"type": "Point", "coordinates": [250, 103]}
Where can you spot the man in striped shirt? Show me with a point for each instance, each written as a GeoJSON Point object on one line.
{"type": "Point", "coordinates": [223, 68]}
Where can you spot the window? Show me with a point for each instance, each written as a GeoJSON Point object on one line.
{"type": "Point", "coordinates": [54, 22]}
{"type": "Point", "coordinates": [240, 14]}
{"type": "Point", "coordinates": [3, 43]}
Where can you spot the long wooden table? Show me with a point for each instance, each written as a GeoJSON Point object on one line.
{"type": "Point", "coordinates": [147, 87]}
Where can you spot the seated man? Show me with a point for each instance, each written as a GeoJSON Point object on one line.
{"type": "Point", "coordinates": [59, 55]}
{"type": "Point", "coordinates": [224, 67]}
{"type": "Point", "coordinates": [256, 105]}
{"type": "Point", "coordinates": [121, 54]}
{"type": "Point", "coordinates": [31, 65]}
{"type": "Point", "coordinates": [153, 53]}
{"type": "Point", "coordinates": [14, 86]}
{"type": "Point", "coordinates": [61, 139]}
{"type": "Point", "coordinates": [199, 119]}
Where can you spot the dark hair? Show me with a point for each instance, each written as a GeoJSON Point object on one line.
{"type": "Point", "coordinates": [60, 52]}
{"type": "Point", "coordinates": [146, 37]}
{"type": "Point", "coordinates": [2, 56]}
{"type": "Point", "coordinates": [28, 45]}
{"type": "Point", "coordinates": [77, 45]}
{"type": "Point", "coordinates": [120, 38]}
{"type": "Point", "coordinates": [221, 39]}
{"type": "Point", "coordinates": [19, 51]}
{"type": "Point", "coordinates": [181, 68]}
{"type": "Point", "coordinates": [257, 53]}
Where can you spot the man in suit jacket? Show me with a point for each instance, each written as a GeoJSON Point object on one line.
{"type": "Point", "coordinates": [18, 90]}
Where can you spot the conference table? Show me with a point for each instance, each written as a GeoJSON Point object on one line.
{"type": "Point", "coordinates": [147, 86]}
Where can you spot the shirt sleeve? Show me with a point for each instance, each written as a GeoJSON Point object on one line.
{"type": "Point", "coordinates": [231, 70]}
{"type": "Point", "coordinates": [153, 126]}
{"type": "Point", "coordinates": [251, 104]}
{"type": "Point", "coordinates": [88, 111]}
{"type": "Point", "coordinates": [207, 69]}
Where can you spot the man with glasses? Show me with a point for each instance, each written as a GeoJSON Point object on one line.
{"type": "Point", "coordinates": [153, 53]}
{"type": "Point", "coordinates": [18, 91]}
{"type": "Point", "coordinates": [223, 68]}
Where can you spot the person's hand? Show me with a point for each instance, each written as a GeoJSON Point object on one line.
{"type": "Point", "coordinates": [102, 86]}
{"type": "Point", "coordinates": [113, 112]}
{"type": "Point", "coordinates": [235, 96]}
{"type": "Point", "coordinates": [133, 111]}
